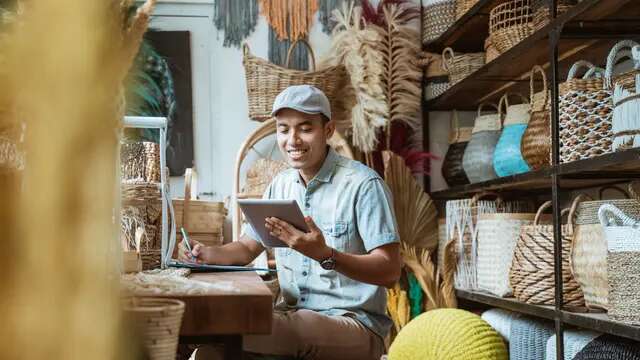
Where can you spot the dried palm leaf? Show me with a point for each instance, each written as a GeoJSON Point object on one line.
{"type": "Point", "coordinates": [355, 46]}
{"type": "Point", "coordinates": [415, 211]}
{"type": "Point", "coordinates": [447, 270]}
{"type": "Point", "coordinates": [400, 47]}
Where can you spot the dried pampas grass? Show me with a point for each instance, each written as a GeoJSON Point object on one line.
{"type": "Point", "coordinates": [65, 65]}
{"type": "Point", "coordinates": [356, 47]}
{"type": "Point", "coordinates": [415, 211]}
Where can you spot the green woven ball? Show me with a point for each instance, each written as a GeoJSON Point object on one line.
{"type": "Point", "coordinates": [448, 334]}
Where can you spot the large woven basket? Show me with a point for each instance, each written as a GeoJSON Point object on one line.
{"type": "Point", "coordinates": [625, 95]}
{"type": "Point", "coordinates": [266, 80]}
{"type": "Point", "coordinates": [461, 65]}
{"type": "Point", "coordinates": [536, 141]}
{"type": "Point", "coordinates": [438, 16]}
{"type": "Point", "coordinates": [541, 13]}
{"type": "Point", "coordinates": [507, 158]}
{"type": "Point", "coordinates": [497, 238]}
{"type": "Point", "coordinates": [478, 156]}
{"type": "Point", "coordinates": [462, 6]}
{"type": "Point", "coordinates": [623, 263]}
{"type": "Point", "coordinates": [532, 270]}
{"type": "Point", "coordinates": [585, 115]}
{"type": "Point", "coordinates": [589, 257]}
{"type": "Point", "coordinates": [510, 23]}
{"type": "Point", "coordinates": [609, 347]}
{"type": "Point", "coordinates": [452, 170]}
{"type": "Point", "coordinates": [157, 322]}
{"type": "Point", "coordinates": [528, 339]}
{"type": "Point", "coordinates": [573, 340]}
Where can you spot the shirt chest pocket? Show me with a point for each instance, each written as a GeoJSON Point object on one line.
{"type": "Point", "coordinates": [337, 235]}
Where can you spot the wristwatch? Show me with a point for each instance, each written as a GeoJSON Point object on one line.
{"type": "Point", "coordinates": [330, 262]}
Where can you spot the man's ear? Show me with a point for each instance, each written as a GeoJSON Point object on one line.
{"type": "Point", "coordinates": [330, 128]}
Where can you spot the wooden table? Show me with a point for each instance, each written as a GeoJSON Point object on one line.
{"type": "Point", "coordinates": [225, 316]}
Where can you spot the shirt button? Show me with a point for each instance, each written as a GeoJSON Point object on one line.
{"type": "Point", "coordinates": [304, 273]}
{"type": "Point", "coordinates": [302, 299]}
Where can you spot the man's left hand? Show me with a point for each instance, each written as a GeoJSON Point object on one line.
{"type": "Point", "coordinates": [311, 244]}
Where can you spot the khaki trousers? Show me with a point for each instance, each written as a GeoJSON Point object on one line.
{"type": "Point", "coordinates": [309, 335]}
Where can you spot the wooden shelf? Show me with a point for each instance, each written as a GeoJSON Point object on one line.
{"type": "Point", "coordinates": [601, 170]}
{"type": "Point", "coordinates": [610, 20]}
{"type": "Point", "coordinates": [598, 322]}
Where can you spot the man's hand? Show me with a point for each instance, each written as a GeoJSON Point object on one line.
{"type": "Point", "coordinates": [195, 254]}
{"type": "Point", "coordinates": [311, 244]}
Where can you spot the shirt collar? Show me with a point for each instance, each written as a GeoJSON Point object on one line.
{"type": "Point", "coordinates": [326, 171]}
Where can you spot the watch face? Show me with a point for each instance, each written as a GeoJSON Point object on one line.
{"type": "Point", "coordinates": [328, 264]}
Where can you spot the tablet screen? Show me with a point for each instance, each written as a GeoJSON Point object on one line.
{"type": "Point", "coordinates": [257, 210]}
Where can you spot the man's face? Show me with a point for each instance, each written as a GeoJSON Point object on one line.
{"type": "Point", "coordinates": [302, 138]}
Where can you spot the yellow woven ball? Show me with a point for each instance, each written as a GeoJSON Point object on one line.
{"type": "Point", "coordinates": [448, 334]}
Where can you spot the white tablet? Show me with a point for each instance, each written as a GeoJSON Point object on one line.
{"type": "Point", "coordinates": [257, 210]}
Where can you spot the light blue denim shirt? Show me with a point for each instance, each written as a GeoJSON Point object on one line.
{"type": "Point", "coordinates": [352, 206]}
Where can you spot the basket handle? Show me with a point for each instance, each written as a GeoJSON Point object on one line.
{"type": "Point", "coordinates": [619, 51]}
{"type": "Point", "coordinates": [483, 104]}
{"type": "Point", "coordinates": [544, 207]}
{"type": "Point", "coordinates": [577, 66]}
{"type": "Point", "coordinates": [613, 187]}
{"type": "Point", "coordinates": [445, 61]}
{"type": "Point", "coordinates": [454, 125]}
{"type": "Point", "coordinates": [505, 99]}
{"type": "Point", "coordinates": [484, 194]}
{"type": "Point", "coordinates": [245, 49]}
{"type": "Point", "coordinates": [311, 53]}
{"type": "Point", "coordinates": [595, 72]}
{"type": "Point", "coordinates": [608, 213]}
{"type": "Point", "coordinates": [632, 190]}
{"type": "Point", "coordinates": [534, 70]}
{"type": "Point", "coordinates": [188, 176]}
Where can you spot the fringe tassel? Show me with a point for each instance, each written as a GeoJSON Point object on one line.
{"type": "Point", "coordinates": [278, 53]}
{"type": "Point", "coordinates": [237, 18]}
{"type": "Point", "coordinates": [326, 8]}
{"type": "Point", "coordinates": [290, 19]}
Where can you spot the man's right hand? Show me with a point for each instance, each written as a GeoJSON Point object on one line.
{"type": "Point", "coordinates": [196, 251]}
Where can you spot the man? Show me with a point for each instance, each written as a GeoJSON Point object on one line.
{"type": "Point", "coordinates": [331, 277]}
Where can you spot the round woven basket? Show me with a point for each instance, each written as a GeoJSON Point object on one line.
{"type": "Point", "coordinates": [585, 115]}
{"type": "Point", "coordinates": [436, 334]}
{"type": "Point", "coordinates": [438, 16]}
{"type": "Point", "coordinates": [452, 170]}
{"type": "Point", "coordinates": [266, 80]}
{"type": "Point", "coordinates": [507, 158]}
{"type": "Point", "coordinates": [609, 347]}
{"type": "Point", "coordinates": [528, 339]}
{"type": "Point", "coordinates": [536, 141]}
{"type": "Point", "coordinates": [532, 271]}
{"type": "Point", "coordinates": [462, 6]}
{"type": "Point", "coordinates": [541, 13]}
{"type": "Point", "coordinates": [462, 65]}
{"type": "Point", "coordinates": [478, 156]}
{"type": "Point", "coordinates": [510, 23]}
{"type": "Point", "coordinates": [157, 321]}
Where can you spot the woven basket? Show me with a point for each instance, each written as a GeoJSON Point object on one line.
{"type": "Point", "coordinates": [497, 238]}
{"type": "Point", "coordinates": [625, 95]}
{"type": "Point", "coordinates": [541, 13]}
{"type": "Point", "coordinates": [536, 141]}
{"type": "Point", "coordinates": [528, 339]}
{"type": "Point", "coordinates": [490, 51]}
{"type": "Point", "coordinates": [501, 321]}
{"type": "Point", "coordinates": [573, 340]}
{"type": "Point", "coordinates": [442, 240]}
{"type": "Point", "coordinates": [462, 216]}
{"type": "Point", "coordinates": [589, 255]}
{"type": "Point", "coordinates": [140, 162]}
{"type": "Point", "coordinates": [434, 89]}
{"type": "Point", "coordinates": [510, 23]}
{"type": "Point", "coordinates": [462, 6]}
{"type": "Point", "coordinates": [266, 80]}
{"type": "Point", "coordinates": [157, 321]}
{"type": "Point", "coordinates": [585, 115]}
{"type": "Point", "coordinates": [532, 271]}
{"type": "Point", "coordinates": [452, 170]}
{"type": "Point", "coordinates": [507, 158]}
{"type": "Point", "coordinates": [478, 156]}
{"type": "Point", "coordinates": [438, 16]}
{"type": "Point", "coordinates": [462, 65]}
{"type": "Point", "coordinates": [609, 347]}
{"type": "Point", "coordinates": [623, 263]}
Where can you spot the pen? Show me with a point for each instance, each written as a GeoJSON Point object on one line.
{"type": "Point", "coordinates": [186, 240]}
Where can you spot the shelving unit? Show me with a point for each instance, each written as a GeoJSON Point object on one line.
{"type": "Point", "coordinates": [587, 31]}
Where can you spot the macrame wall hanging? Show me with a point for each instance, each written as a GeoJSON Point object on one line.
{"type": "Point", "coordinates": [289, 20]}
{"type": "Point", "coordinates": [237, 18]}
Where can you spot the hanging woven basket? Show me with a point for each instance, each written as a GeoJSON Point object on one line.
{"type": "Point", "coordinates": [478, 156]}
{"type": "Point", "coordinates": [507, 158]}
{"type": "Point", "coordinates": [438, 16]}
{"type": "Point", "coordinates": [452, 170]}
{"type": "Point", "coordinates": [266, 80]}
{"type": "Point", "coordinates": [536, 141]}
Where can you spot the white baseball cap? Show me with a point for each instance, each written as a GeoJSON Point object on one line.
{"type": "Point", "coordinates": [304, 98]}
